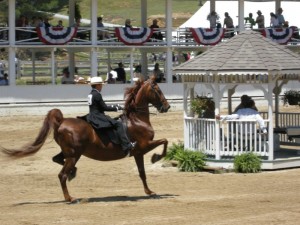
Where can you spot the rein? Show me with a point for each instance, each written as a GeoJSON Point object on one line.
{"type": "Point", "coordinates": [143, 109]}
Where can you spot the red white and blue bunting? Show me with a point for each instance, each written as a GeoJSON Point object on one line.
{"type": "Point", "coordinates": [208, 36]}
{"type": "Point", "coordinates": [279, 35]}
{"type": "Point", "coordinates": [56, 35]}
{"type": "Point", "coordinates": [133, 36]}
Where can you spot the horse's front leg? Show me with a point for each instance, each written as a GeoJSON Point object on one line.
{"type": "Point", "coordinates": [152, 145]}
{"type": "Point", "coordinates": [139, 160]}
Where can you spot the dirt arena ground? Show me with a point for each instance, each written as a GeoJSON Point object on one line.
{"type": "Point", "coordinates": [111, 192]}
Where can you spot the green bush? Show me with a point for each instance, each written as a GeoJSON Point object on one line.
{"type": "Point", "coordinates": [190, 161]}
{"type": "Point", "coordinates": [173, 150]}
{"type": "Point", "coordinates": [247, 163]}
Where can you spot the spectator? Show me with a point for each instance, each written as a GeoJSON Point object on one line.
{"type": "Point", "coordinates": [77, 22]}
{"type": "Point", "coordinates": [250, 20]}
{"type": "Point", "coordinates": [213, 17]}
{"type": "Point", "coordinates": [4, 79]}
{"type": "Point", "coordinates": [246, 113]}
{"type": "Point", "coordinates": [66, 78]}
{"type": "Point", "coordinates": [273, 20]}
{"type": "Point", "coordinates": [156, 33]}
{"type": "Point", "coordinates": [80, 33]}
{"type": "Point", "coordinates": [137, 70]}
{"type": "Point", "coordinates": [121, 73]}
{"type": "Point", "coordinates": [79, 80]}
{"type": "Point", "coordinates": [228, 23]}
{"type": "Point", "coordinates": [260, 20]}
{"type": "Point", "coordinates": [244, 100]}
{"type": "Point", "coordinates": [280, 17]}
{"type": "Point", "coordinates": [112, 75]}
{"type": "Point", "coordinates": [102, 34]}
{"type": "Point", "coordinates": [128, 23]}
{"type": "Point", "coordinates": [22, 22]}
{"type": "Point", "coordinates": [46, 23]}
{"type": "Point", "coordinates": [158, 74]}
{"type": "Point", "coordinates": [2, 67]}
{"type": "Point", "coordinates": [60, 24]}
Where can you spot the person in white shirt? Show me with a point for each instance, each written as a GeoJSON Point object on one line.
{"type": "Point", "coordinates": [274, 20]}
{"type": "Point", "coordinates": [246, 113]}
{"type": "Point", "coordinates": [213, 18]}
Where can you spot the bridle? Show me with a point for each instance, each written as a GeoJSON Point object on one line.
{"type": "Point", "coordinates": [158, 106]}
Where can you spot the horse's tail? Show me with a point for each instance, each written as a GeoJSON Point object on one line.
{"type": "Point", "coordinates": [53, 120]}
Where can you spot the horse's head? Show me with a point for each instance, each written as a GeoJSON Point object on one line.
{"type": "Point", "coordinates": [154, 96]}
{"type": "Point", "coordinates": [138, 98]}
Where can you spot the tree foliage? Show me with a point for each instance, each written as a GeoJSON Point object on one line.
{"type": "Point", "coordinates": [35, 7]}
{"type": "Point", "coordinates": [31, 8]}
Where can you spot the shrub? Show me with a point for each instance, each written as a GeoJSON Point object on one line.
{"type": "Point", "coordinates": [190, 161]}
{"type": "Point", "coordinates": [292, 97]}
{"type": "Point", "coordinates": [203, 106]}
{"type": "Point", "coordinates": [247, 163]}
{"type": "Point", "coordinates": [173, 150]}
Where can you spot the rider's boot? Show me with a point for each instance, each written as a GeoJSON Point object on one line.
{"type": "Point", "coordinates": [128, 150]}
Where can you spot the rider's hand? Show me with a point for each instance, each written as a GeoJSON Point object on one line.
{"type": "Point", "coordinates": [119, 107]}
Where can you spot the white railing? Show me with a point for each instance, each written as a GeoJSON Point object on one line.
{"type": "Point", "coordinates": [236, 137]}
{"type": "Point", "coordinates": [180, 37]}
{"type": "Point", "coordinates": [285, 120]}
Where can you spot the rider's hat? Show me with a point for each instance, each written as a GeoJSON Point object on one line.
{"type": "Point", "coordinates": [96, 80]}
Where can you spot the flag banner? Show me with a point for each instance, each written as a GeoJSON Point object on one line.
{"type": "Point", "coordinates": [56, 35]}
{"type": "Point", "coordinates": [208, 36]}
{"type": "Point", "coordinates": [279, 35]}
{"type": "Point", "coordinates": [133, 36]}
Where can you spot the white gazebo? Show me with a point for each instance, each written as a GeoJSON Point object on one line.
{"type": "Point", "coordinates": [247, 59]}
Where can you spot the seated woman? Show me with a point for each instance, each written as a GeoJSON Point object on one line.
{"type": "Point", "coordinates": [158, 74]}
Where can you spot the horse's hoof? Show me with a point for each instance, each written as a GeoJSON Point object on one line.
{"type": "Point", "coordinates": [153, 195]}
{"type": "Point", "coordinates": [155, 157]}
{"type": "Point", "coordinates": [74, 201]}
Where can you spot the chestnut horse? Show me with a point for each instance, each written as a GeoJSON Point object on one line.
{"type": "Point", "coordinates": [76, 137]}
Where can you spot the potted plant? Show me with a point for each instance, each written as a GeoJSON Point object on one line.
{"type": "Point", "coordinates": [203, 106]}
{"type": "Point", "coordinates": [292, 97]}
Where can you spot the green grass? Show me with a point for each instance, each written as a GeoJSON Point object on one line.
{"type": "Point", "coordinates": [117, 11]}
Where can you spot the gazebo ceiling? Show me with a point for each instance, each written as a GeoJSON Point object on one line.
{"type": "Point", "coordinates": [248, 53]}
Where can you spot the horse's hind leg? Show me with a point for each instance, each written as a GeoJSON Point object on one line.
{"type": "Point", "coordinates": [139, 160]}
{"type": "Point", "coordinates": [69, 165]}
{"type": "Point", "coordinates": [60, 159]}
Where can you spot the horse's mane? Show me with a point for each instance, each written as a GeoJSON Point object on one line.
{"type": "Point", "coordinates": [130, 94]}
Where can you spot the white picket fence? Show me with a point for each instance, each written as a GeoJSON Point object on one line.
{"type": "Point", "coordinates": [236, 137]}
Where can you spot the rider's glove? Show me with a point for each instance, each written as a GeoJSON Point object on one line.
{"type": "Point", "coordinates": [119, 107]}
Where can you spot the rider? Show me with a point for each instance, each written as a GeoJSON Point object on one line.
{"type": "Point", "coordinates": [98, 119]}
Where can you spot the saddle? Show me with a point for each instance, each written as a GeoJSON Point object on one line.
{"type": "Point", "coordinates": [108, 135]}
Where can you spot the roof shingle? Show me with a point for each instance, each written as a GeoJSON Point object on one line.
{"type": "Point", "coordinates": [248, 51]}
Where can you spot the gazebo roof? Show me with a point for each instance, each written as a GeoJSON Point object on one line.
{"type": "Point", "coordinates": [248, 53]}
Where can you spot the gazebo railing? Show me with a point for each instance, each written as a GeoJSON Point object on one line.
{"type": "Point", "coordinates": [236, 137]}
{"type": "Point", "coordinates": [285, 120]}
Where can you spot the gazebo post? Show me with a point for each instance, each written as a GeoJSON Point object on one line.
{"type": "Point", "coordinates": [217, 99]}
{"type": "Point", "coordinates": [188, 90]}
{"type": "Point", "coordinates": [230, 92]}
{"type": "Point", "coordinates": [269, 96]}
